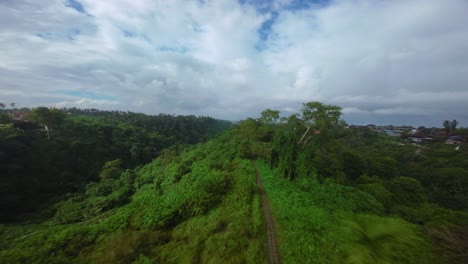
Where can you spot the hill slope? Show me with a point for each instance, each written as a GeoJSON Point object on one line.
{"type": "Point", "coordinates": [200, 205]}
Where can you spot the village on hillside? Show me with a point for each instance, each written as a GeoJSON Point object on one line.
{"type": "Point", "coordinates": [421, 135]}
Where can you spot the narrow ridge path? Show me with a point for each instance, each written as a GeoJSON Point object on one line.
{"type": "Point", "coordinates": [273, 249]}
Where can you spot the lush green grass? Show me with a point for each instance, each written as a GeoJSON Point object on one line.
{"type": "Point", "coordinates": [198, 206]}
{"type": "Point", "coordinates": [331, 223]}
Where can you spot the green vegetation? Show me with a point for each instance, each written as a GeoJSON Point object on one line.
{"type": "Point", "coordinates": [118, 187]}
{"type": "Point", "coordinates": [332, 223]}
{"type": "Point", "coordinates": [38, 165]}
{"type": "Point", "coordinates": [195, 205]}
{"type": "Point", "coordinates": [354, 196]}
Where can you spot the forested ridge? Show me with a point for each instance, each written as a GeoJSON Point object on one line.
{"type": "Point", "coordinates": [48, 152]}
{"type": "Point", "coordinates": [119, 187]}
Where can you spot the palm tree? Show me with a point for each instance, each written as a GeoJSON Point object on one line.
{"type": "Point", "coordinates": [447, 126]}
{"type": "Point", "coordinates": [454, 125]}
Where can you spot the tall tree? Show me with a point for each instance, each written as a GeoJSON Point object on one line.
{"type": "Point", "coordinates": [454, 124]}
{"type": "Point", "coordinates": [111, 170]}
{"type": "Point", "coordinates": [49, 118]}
{"type": "Point", "coordinates": [269, 116]}
{"type": "Point", "coordinates": [448, 126]}
{"type": "Point", "coordinates": [318, 117]}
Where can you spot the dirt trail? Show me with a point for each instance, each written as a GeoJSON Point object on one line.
{"type": "Point", "coordinates": [273, 249]}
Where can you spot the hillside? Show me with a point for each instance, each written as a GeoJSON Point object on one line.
{"type": "Point", "coordinates": [199, 205]}
{"type": "Point", "coordinates": [38, 165]}
{"type": "Point", "coordinates": [336, 195]}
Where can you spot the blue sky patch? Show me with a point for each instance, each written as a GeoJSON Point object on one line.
{"type": "Point", "coordinates": [128, 34]}
{"type": "Point", "coordinates": [300, 4]}
{"type": "Point", "coordinates": [75, 5]}
{"type": "Point", "coordinates": [267, 6]}
{"type": "Point", "coordinates": [46, 35]}
{"type": "Point", "coordinates": [304, 4]}
{"type": "Point", "coordinates": [265, 30]}
{"type": "Point", "coordinates": [262, 6]}
{"type": "Point", "coordinates": [70, 35]}
{"type": "Point", "coordinates": [176, 49]}
{"type": "Point", "coordinates": [197, 27]}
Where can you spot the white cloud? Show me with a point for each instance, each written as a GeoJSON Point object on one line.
{"type": "Point", "coordinates": [88, 103]}
{"type": "Point", "coordinates": [374, 58]}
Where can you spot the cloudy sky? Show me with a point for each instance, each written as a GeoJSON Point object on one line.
{"type": "Point", "coordinates": [398, 61]}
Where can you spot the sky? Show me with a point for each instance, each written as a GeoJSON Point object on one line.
{"type": "Point", "coordinates": [384, 62]}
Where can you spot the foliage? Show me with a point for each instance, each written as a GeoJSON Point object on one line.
{"type": "Point", "coordinates": [302, 138]}
{"type": "Point", "coordinates": [320, 115]}
{"type": "Point", "coordinates": [382, 240]}
{"type": "Point", "coordinates": [35, 171]}
{"type": "Point", "coordinates": [269, 117]}
{"type": "Point", "coordinates": [5, 118]}
{"type": "Point", "coordinates": [450, 126]}
{"type": "Point", "coordinates": [379, 192]}
{"type": "Point", "coordinates": [449, 187]}
{"type": "Point", "coordinates": [49, 118]}
{"type": "Point", "coordinates": [407, 191]}
{"type": "Point", "coordinates": [121, 187]}
{"type": "Point", "coordinates": [354, 165]}
{"type": "Point", "coordinates": [331, 223]}
{"type": "Point", "coordinates": [111, 170]}
{"type": "Point", "coordinates": [200, 205]}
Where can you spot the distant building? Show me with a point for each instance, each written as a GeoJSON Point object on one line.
{"type": "Point", "coordinates": [418, 138]}
{"type": "Point", "coordinates": [18, 115]}
{"type": "Point", "coordinates": [427, 140]}
{"type": "Point", "coordinates": [455, 140]}
{"type": "Point", "coordinates": [394, 131]}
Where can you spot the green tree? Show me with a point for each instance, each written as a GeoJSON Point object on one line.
{"type": "Point", "coordinates": [448, 126]}
{"type": "Point", "coordinates": [454, 124]}
{"type": "Point", "coordinates": [111, 170]}
{"type": "Point", "coordinates": [269, 117]}
{"type": "Point", "coordinates": [354, 165]}
{"type": "Point", "coordinates": [407, 191]}
{"type": "Point", "coordinates": [49, 118]}
{"type": "Point", "coordinates": [4, 118]}
{"type": "Point", "coordinates": [318, 117]}
{"type": "Point", "coordinates": [448, 187]}
{"type": "Point", "coordinates": [268, 121]}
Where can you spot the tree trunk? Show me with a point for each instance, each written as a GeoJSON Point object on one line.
{"type": "Point", "coordinates": [48, 132]}
{"type": "Point", "coordinates": [305, 133]}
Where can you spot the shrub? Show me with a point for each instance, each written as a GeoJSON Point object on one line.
{"type": "Point", "coordinates": [407, 191]}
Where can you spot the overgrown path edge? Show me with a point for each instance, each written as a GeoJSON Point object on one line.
{"type": "Point", "coordinates": [272, 243]}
